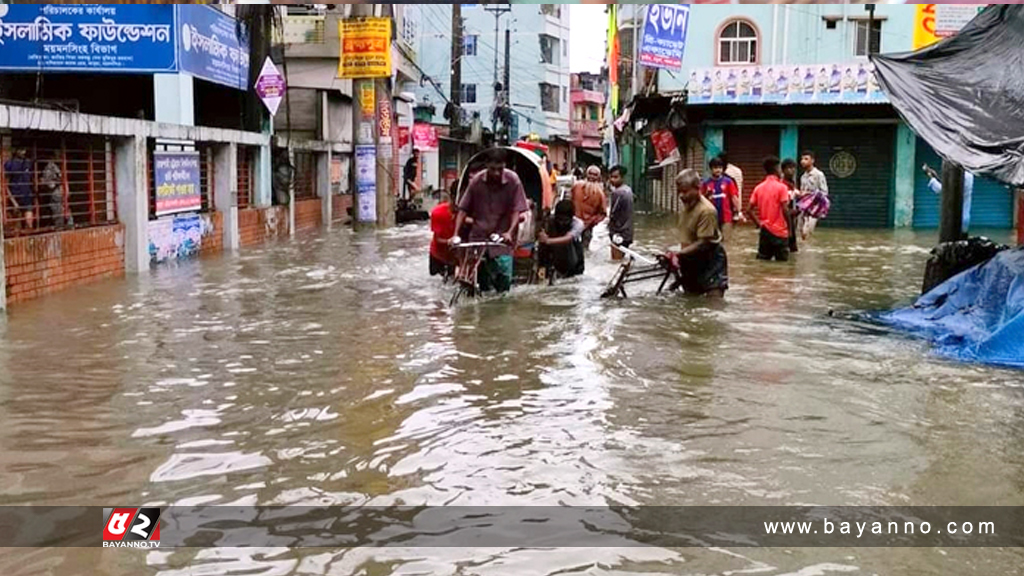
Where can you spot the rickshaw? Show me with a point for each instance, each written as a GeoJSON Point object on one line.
{"type": "Point", "coordinates": [530, 167]}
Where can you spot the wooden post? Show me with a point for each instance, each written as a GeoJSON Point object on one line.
{"type": "Point", "coordinates": [951, 220]}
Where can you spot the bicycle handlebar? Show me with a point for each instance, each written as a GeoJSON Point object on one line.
{"type": "Point", "coordinates": [479, 245]}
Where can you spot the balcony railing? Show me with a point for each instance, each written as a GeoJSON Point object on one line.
{"type": "Point", "coordinates": [586, 128]}
{"type": "Point", "coordinates": [592, 96]}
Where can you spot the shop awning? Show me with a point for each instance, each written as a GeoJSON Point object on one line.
{"type": "Point", "coordinates": [965, 95]}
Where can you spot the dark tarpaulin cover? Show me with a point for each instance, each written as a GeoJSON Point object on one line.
{"type": "Point", "coordinates": [965, 94]}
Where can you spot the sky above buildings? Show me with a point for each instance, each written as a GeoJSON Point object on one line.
{"type": "Point", "coordinates": [588, 28]}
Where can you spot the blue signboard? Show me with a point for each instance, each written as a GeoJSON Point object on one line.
{"type": "Point", "coordinates": [210, 48]}
{"type": "Point", "coordinates": [665, 36]}
{"type": "Point", "coordinates": [177, 178]}
{"type": "Point", "coordinates": [87, 37]}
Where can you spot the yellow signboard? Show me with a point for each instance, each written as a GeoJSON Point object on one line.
{"type": "Point", "coordinates": [924, 26]}
{"type": "Point", "coordinates": [933, 22]}
{"type": "Point", "coordinates": [365, 48]}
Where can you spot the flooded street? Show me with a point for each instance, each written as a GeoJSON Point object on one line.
{"type": "Point", "coordinates": [330, 371]}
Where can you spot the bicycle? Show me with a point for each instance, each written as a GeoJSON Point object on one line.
{"type": "Point", "coordinates": [652, 270]}
{"type": "Point", "coordinates": [470, 254]}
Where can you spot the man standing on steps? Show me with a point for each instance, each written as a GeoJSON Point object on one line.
{"type": "Point", "coordinates": [495, 200]}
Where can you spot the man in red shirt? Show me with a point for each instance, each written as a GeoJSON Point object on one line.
{"type": "Point", "coordinates": [771, 201]}
{"type": "Point", "coordinates": [442, 224]}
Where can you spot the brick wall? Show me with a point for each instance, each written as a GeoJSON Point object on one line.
{"type": "Point", "coordinates": [213, 243]}
{"type": "Point", "coordinates": [257, 225]}
{"type": "Point", "coordinates": [340, 205]}
{"type": "Point", "coordinates": [308, 214]}
{"type": "Point", "coordinates": [38, 265]}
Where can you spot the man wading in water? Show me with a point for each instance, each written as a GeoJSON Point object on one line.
{"type": "Point", "coordinates": [701, 265]}
{"type": "Point", "coordinates": [495, 200]}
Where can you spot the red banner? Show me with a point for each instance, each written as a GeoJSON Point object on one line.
{"type": "Point", "coordinates": [664, 144]}
{"type": "Point", "coordinates": [424, 136]}
{"type": "Point", "coordinates": [404, 136]}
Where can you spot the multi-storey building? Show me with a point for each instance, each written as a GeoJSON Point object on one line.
{"type": "Point", "coordinates": [539, 69]}
{"type": "Point", "coordinates": [777, 79]}
{"type": "Point", "coordinates": [588, 94]}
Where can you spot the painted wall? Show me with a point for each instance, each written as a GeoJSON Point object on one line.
{"type": "Point", "coordinates": [808, 41]}
{"type": "Point", "coordinates": [434, 54]}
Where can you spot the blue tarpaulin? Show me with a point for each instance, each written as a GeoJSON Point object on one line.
{"type": "Point", "coordinates": [975, 316]}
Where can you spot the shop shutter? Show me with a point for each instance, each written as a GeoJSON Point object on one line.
{"type": "Point", "coordinates": [991, 204]}
{"type": "Point", "coordinates": [747, 147]}
{"type": "Point", "coordinates": [858, 162]}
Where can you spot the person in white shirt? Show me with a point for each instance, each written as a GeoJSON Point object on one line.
{"type": "Point", "coordinates": [935, 185]}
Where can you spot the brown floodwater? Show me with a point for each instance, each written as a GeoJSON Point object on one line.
{"type": "Point", "coordinates": [330, 370]}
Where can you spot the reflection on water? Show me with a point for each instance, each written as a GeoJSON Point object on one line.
{"type": "Point", "coordinates": [330, 371]}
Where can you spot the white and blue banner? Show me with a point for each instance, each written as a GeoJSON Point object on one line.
{"type": "Point", "coordinates": [210, 46]}
{"type": "Point", "coordinates": [849, 83]}
{"type": "Point", "coordinates": [664, 36]}
{"type": "Point", "coordinates": [124, 38]}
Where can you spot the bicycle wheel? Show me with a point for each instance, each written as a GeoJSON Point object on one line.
{"type": "Point", "coordinates": [615, 284]}
{"type": "Point", "coordinates": [460, 291]}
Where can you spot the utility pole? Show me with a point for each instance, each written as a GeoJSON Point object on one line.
{"type": "Point", "coordinates": [636, 51]}
{"type": "Point", "coordinates": [456, 71]}
{"type": "Point", "coordinates": [506, 117]}
{"type": "Point", "coordinates": [373, 202]}
{"type": "Point", "coordinates": [497, 10]}
{"type": "Point", "coordinates": [951, 218]}
{"type": "Point", "coordinates": [871, 26]}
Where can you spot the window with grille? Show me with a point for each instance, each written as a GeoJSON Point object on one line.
{"type": "Point", "coordinates": [245, 163]}
{"type": "Point", "coordinates": [737, 43]}
{"type": "Point", "coordinates": [548, 49]}
{"type": "Point", "coordinates": [469, 44]}
{"type": "Point", "coordinates": [53, 182]}
{"type": "Point", "coordinates": [861, 47]}
{"type": "Point", "coordinates": [551, 10]}
{"type": "Point", "coordinates": [305, 175]}
{"type": "Point", "coordinates": [549, 97]}
{"type": "Point", "coordinates": [468, 93]}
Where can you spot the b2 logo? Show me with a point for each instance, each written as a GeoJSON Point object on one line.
{"type": "Point", "coordinates": [131, 525]}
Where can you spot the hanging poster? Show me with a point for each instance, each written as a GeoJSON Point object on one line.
{"type": "Point", "coordinates": [664, 38]}
{"type": "Point", "coordinates": [366, 183]}
{"type": "Point", "coordinates": [852, 83]}
{"type": "Point", "coordinates": [365, 48]}
{"type": "Point", "coordinates": [270, 86]}
{"type": "Point", "coordinates": [176, 176]}
{"type": "Point", "coordinates": [424, 136]}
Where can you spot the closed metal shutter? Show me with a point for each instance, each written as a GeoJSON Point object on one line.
{"type": "Point", "coordinates": [991, 203]}
{"type": "Point", "coordinates": [747, 147]}
{"type": "Point", "coordinates": [858, 163]}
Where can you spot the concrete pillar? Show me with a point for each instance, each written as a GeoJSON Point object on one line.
{"type": "Point", "coordinates": [714, 142]}
{"type": "Point", "coordinates": [225, 170]}
{"type": "Point", "coordinates": [173, 99]}
{"type": "Point", "coordinates": [291, 195]}
{"type": "Point", "coordinates": [133, 202]}
{"type": "Point", "coordinates": [262, 178]}
{"type": "Point", "coordinates": [903, 202]}
{"type": "Point", "coordinates": [789, 142]}
{"type": "Point", "coordinates": [323, 186]}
